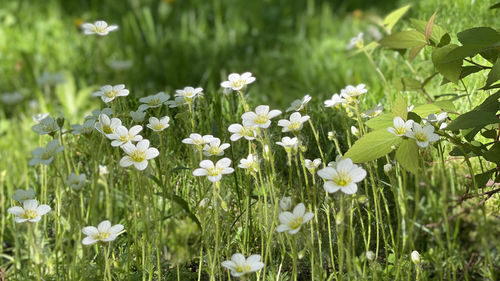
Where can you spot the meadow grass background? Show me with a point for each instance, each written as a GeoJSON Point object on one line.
{"type": "Point", "coordinates": [292, 47]}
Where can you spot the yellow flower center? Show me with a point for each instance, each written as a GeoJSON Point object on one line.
{"type": "Point", "coordinates": [112, 93]}
{"type": "Point", "coordinates": [243, 268]}
{"type": "Point", "coordinates": [125, 138]}
{"type": "Point", "coordinates": [29, 214]}
{"type": "Point", "coordinates": [154, 102]}
{"type": "Point", "coordinates": [296, 223]}
{"type": "Point", "coordinates": [102, 235]}
{"type": "Point", "coordinates": [213, 172]}
{"type": "Point", "coordinates": [400, 130]}
{"type": "Point", "coordinates": [158, 126]}
{"type": "Point", "coordinates": [421, 137]}
{"type": "Point", "coordinates": [107, 129]}
{"type": "Point", "coordinates": [214, 150]}
{"type": "Point", "coordinates": [261, 119]}
{"type": "Point", "coordinates": [294, 126]}
{"type": "Point", "coordinates": [238, 83]}
{"type": "Point", "coordinates": [138, 156]}
{"type": "Point", "coordinates": [342, 180]}
{"type": "Point", "coordinates": [99, 29]}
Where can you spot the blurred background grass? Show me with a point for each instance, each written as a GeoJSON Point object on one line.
{"type": "Point", "coordinates": [292, 47]}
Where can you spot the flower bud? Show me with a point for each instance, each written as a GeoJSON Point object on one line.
{"type": "Point", "coordinates": [415, 258]}
{"type": "Point", "coordinates": [286, 203]}
{"type": "Point", "coordinates": [370, 255]}
{"type": "Point", "coordinates": [387, 168]}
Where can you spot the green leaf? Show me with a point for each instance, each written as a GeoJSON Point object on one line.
{"type": "Point", "coordinates": [429, 27]}
{"type": "Point", "coordinates": [437, 31]}
{"type": "Point", "coordinates": [495, 6]}
{"type": "Point", "coordinates": [414, 51]}
{"type": "Point", "coordinates": [372, 146]}
{"type": "Point", "coordinates": [403, 40]}
{"type": "Point", "coordinates": [479, 35]}
{"type": "Point", "coordinates": [468, 51]}
{"type": "Point", "coordinates": [473, 119]}
{"type": "Point", "coordinates": [494, 74]}
{"type": "Point", "coordinates": [446, 105]}
{"type": "Point", "coordinates": [450, 70]}
{"type": "Point", "coordinates": [407, 155]}
{"type": "Point", "coordinates": [482, 179]}
{"type": "Point", "coordinates": [493, 154]}
{"type": "Point", "coordinates": [491, 103]}
{"type": "Point", "coordinates": [392, 18]}
{"type": "Point", "coordinates": [426, 109]}
{"type": "Point", "coordinates": [383, 121]}
{"type": "Point", "coordinates": [400, 107]}
{"type": "Point", "coordinates": [406, 84]}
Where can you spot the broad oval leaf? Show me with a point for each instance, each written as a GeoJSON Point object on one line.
{"type": "Point", "coordinates": [383, 121]}
{"type": "Point", "coordinates": [473, 119]}
{"type": "Point", "coordinates": [372, 146]}
{"type": "Point", "coordinates": [407, 155]}
{"type": "Point", "coordinates": [403, 40]}
{"type": "Point", "coordinates": [450, 70]}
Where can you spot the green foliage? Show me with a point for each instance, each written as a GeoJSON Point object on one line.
{"type": "Point", "coordinates": [372, 146]}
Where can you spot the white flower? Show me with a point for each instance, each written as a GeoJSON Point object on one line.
{"type": "Point", "coordinates": [260, 118]}
{"type": "Point", "coordinates": [354, 131]}
{"type": "Point", "coordinates": [96, 113]}
{"type": "Point", "coordinates": [138, 155]}
{"type": "Point", "coordinates": [107, 126]}
{"type": "Point", "coordinates": [387, 168]}
{"type": "Point", "coordinates": [373, 112]}
{"type": "Point", "coordinates": [336, 100]}
{"type": "Point", "coordinates": [103, 170]}
{"type": "Point", "coordinates": [312, 166]}
{"type": "Point", "coordinates": [251, 163]}
{"type": "Point", "coordinates": [45, 155]}
{"type": "Point", "coordinates": [98, 27]}
{"type": "Point", "coordinates": [238, 131]}
{"type": "Point", "coordinates": [51, 78]}
{"type": "Point", "coordinates": [30, 211]}
{"type": "Point", "coordinates": [11, 98]}
{"type": "Point", "coordinates": [39, 117]}
{"type": "Point", "coordinates": [76, 181]}
{"type": "Point", "coordinates": [290, 144]}
{"type": "Point", "coordinates": [47, 125]}
{"type": "Point", "coordinates": [86, 128]}
{"type": "Point", "coordinates": [137, 116]}
{"type": "Point", "coordinates": [214, 148]}
{"type": "Point", "coordinates": [122, 135]}
{"type": "Point", "coordinates": [103, 232]}
{"type": "Point", "coordinates": [355, 42]}
{"type": "Point", "coordinates": [23, 195]}
{"type": "Point", "coordinates": [423, 136]}
{"type": "Point", "coordinates": [353, 91]}
{"type": "Point", "coordinates": [188, 94]}
{"type": "Point", "coordinates": [298, 105]}
{"type": "Point", "coordinates": [333, 164]}
{"type": "Point", "coordinates": [120, 64]}
{"type": "Point", "coordinates": [240, 266]}
{"type": "Point", "coordinates": [370, 255]}
{"type": "Point", "coordinates": [153, 101]}
{"type": "Point", "coordinates": [400, 126]}
{"type": "Point", "coordinates": [179, 101]}
{"type": "Point", "coordinates": [108, 93]}
{"type": "Point", "coordinates": [292, 222]}
{"type": "Point", "coordinates": [158, 125]}
{"type": "Point", "coordinates": [198, 140]}
{"type": "Point", "coordinates": [214, 172]}
{"type": "Point", "coordinates": [415, 257]}
{"type": "Point", "coordinates": [344, 177]}
{"type": "Point", "coordinates": [410, 107]}
{"type": "Point", "coordinates": [286, 203]}
{"type": "Point", "coordinates": [294, 124]}
{"type": "Point", "coordinates": [236, 81]}
{"type": "Point", "coordinates": [438, 119]}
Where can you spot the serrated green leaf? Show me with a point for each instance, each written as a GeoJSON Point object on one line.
{"type": "Point", "coordinates": [407, 155]}
{"type": "Point", "coordinates": [450, 70]}
{"type": "Point", "coordinates": [383, 121]}
{"type": "Point", "coordinates": [372, 146]}
{"type": "Point", "coordinates": [437, 31]}
{"type": "Point", "coordinates": [400, 107]}
{"type": "Point", "coordinates": [403, 40]}
{"type": "Point", "coordinates": [473, 119]}
{"type": "Point", "coordinates": [393, 17]}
